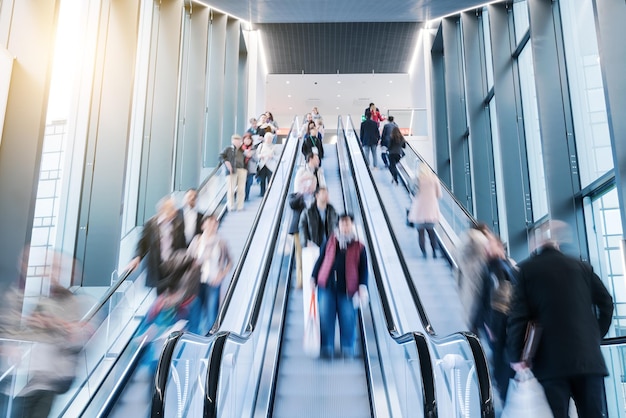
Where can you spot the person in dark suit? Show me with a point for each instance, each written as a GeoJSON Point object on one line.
{"type": "Point", "coordinates": [574, 309]}
{"type": "Point", "coordinates": [192, 219]}
{"type": "Point", "coordinates": [162, 235]}
{"type": "Point", "coordinates": [370, 138]}
{"type": "Point", "coordinates": [318, 221]}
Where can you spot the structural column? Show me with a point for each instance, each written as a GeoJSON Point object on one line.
{"type": "Point", "coordinates": [610, 21]}
{"type": "Point", "coordinates": [555, 120]}
{"type": "Point", "coordinates": [456, 112]}
{"type": "Point", "coordinates": [481, 149]}
{"type": "Point", "coordinates": [29, 36]}
{"type": "Point", "coordinates": [511, 131]}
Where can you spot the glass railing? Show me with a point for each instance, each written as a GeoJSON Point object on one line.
{"type": "Point", "coordinates": [15, 356]}
{"type": "Point", "coordinates": [110, 324]}
{"type": "Point", "coordinates": [614, 351]}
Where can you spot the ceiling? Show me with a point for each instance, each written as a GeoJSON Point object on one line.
{"type": "Point", "coordinates": [339, 36]}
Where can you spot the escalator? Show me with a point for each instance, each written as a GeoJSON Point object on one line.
{"type": "Point", "coordinates": [261, 371]}
{"type": "Point", "coordinates": [124, 389]}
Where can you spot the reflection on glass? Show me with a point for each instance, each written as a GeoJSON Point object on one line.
{"type": "Point", "coordinates": [593, 142]}
{"type": "Point", "coordinates": [604, 229]}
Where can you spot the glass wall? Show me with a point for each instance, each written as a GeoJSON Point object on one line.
{"type": "Point", "coordinates": [604, 229]}
{"type": "Point", "coordinates": [63, 147]}
{"type": "Point", "coordinates": [533, 133]}
{"type": "Point", "coordinates": [593, 141]}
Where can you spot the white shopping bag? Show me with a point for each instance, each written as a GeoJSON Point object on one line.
{"type": "Point", "coordinates": [309, 257]}
{"type": "Point", "coordinates": [525, 398]}
{"type": "Point", "coordinates": [311, 340]}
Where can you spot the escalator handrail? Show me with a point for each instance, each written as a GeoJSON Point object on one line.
{"type": "Point", "coordinates": [427, 373]}
{"type": "Point", "coordinates": [158, 394]}
{"type": "Point", "coordinates": [212, 379]}
{"type": "Point", "coordinates": [239, 267]}
{"type": "Point", "coordinates": [482, 369]}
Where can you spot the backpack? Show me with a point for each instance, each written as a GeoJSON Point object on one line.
{"type": "Point", "coordinates": [502, 282]}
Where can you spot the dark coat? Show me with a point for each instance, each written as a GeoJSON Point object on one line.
{"type": "Point", "coordinates": [311, 227]}
{"type": "Point", "coordinates": [309, 142]}
{"type": "Point", "coordinates": [297, 204]}
{"type": "Point", "coordinates": [149, 246]}
{"type": "Point", "coordinates": [369, 133]}
{"type": "Point", "coordinates": [386, 135]}
{"type": "Point", "coordinates": [562, 294]}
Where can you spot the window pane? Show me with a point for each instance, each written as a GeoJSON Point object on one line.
{"type": "Point", "coordinates": [487, 42]}
{"type": "Point", "coordinates": [604, 231]}
{"type": "Point", "coordinates": [520, 17]}
{"type": "Point", "coordinates": [586, 90]}
{"type": "Point", "coordinates": [497, 160]}
{"type": "Point", "coordinates": [533, 134]}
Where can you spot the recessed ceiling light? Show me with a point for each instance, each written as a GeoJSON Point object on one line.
{"type": "Point", "coordinates": [290, 107]}
{"type": "Point", "coordinates": [390, 81]}
{"type": "Point", "coordinates": [338, 81]}
{"type": "Point", "coordinates": [387, 95]}
{"type": "Point", "coordinates": [339, 95]}
{"type": "Point", "coordinates": [289, 95]}
{"type": "Point", "coordinates": [337, 108]}
{"type": "Point", "coordinates": [287, 82]}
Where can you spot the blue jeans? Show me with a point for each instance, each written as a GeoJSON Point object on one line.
{"type": "Point", "coordinates": [210, 298]}
{"type": "Point", "coordinates": [367, 149]}
{"type": "Point", "coordinates": [331, 306]}
{"type": "Point", "coordinates": [249, 181]}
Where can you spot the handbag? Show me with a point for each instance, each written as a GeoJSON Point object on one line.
{"type": "Point", "coordinates": [311, 340]}
{"type": "Point", "coordinates": [531, 342]}
{"type": "Point", "coordinates": [526, 398]}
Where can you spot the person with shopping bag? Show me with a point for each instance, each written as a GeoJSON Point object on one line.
{"type": "Point", "coordinates": [316, 224]}
{"type": "Point", "coordinates": [573, 308]}
{"type": "Point", "coordinates": [340, 274]}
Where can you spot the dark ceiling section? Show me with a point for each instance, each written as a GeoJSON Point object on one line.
{"type": "Point", "coordinates": [347, 48]}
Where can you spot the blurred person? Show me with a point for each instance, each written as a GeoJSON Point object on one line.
{"type": "Point", "coordinates": [396, 152]}
{"type": "Point", "coordinates": [250, 160]}
{"type": "Point", "coordinates": [58, 335]}
{"type": "Point", "coordinates": [162, 235]}
{"type": "Point", "coordinates": [308, 179]}
{"type": "Point", "coordinates": [385, 139]}
{"type": "Point", "coordinates": [177, 307]}
{"type": "Point", "coordinates": [253, 128]}
{"type": "Point", "coordinates": [570, 303]}
{"type": "Point", "coordinates": [340, 274]}
{"type": "Point", "coordinates": [213, 256]}
{"type": "Point", "coordinates": [319, 124]}
{"type": "Point", "coordinates": [233, 158]}
{"type": "Point", "coordinates": [376, 116]}
{"type": "Point", "coordinates": [473, 255]}
{"type": "Point", "coordinates": [493, 305]}
{"type": "Point", "coordinates": [318, 221]}
{"type": "Point", "coordinates": [424, 212]}
{"type": "Point", "coordinates": [370, 139]}
{"type": "Point", "coordinates": [312, 143]}
{"type": "Point", "coordinates": [267, 161]}
{"type": "Point", "coordinates": [306, 124]}
{"type": "Point", "coordinates": [191, 217]}
{"type": "Point", "coordinates": [315, 114]}
{"type": "Point", "coordinates": [267, 124]}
